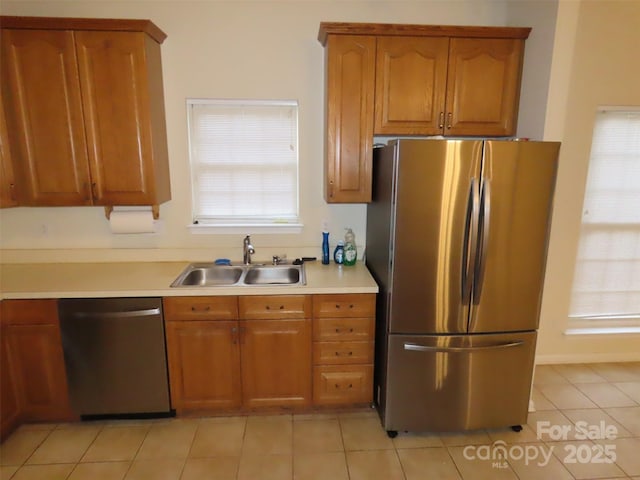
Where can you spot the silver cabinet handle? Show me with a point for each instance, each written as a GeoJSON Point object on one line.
{"type": "Point", "coordinates": [426, 348]}
{"type": "Point", "coordinates": [132, 313]}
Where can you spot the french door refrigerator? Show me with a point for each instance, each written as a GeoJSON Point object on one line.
{"type": "Point", "coordinates": [457, 241]}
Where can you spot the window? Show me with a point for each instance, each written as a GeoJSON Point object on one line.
{"type": "Point", "coordinates": [244, 162]}
{"type": "Point", "coordinates": [606, 289]}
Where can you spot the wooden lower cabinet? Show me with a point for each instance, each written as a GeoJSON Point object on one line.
{"type": "Point", "coordinates": [269, 352]}
{"type": "Point", "coordinates": [203, 353]}
{"type": "Point", "coordinates": [343, 349]}
{"type": "Point", "coordinates": [204, 365]}
{"type": "Point", "coordinates": [34, 358]}
{"type": "Point", "coordinates": [230, 353]}
{"type": "Point", "coordinates": [9, 407]}
{"type": "Point", "coordinates": [276, 363]}
{"type": "Point", "coordinates": [342, 384]}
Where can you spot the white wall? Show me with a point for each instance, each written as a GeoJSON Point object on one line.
{"type": "Point", "coordinates": [232, 49]}
{"type": "Point", "coordinates": [538, 54]}
{"type": "Point", "coordinates": [595, 63]}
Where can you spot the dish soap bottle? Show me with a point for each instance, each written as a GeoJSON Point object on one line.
{"type": "Point", "coordinates": [325, 248]}
{"type": "Point", "coordinates": [338, 253]}
{"type": "Point", "coordinates": [350, 252]}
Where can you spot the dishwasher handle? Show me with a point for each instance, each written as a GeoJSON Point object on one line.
{"type": "Point", "coordinates": [426, 348]}
{"type": "Point", "coordinates": [118, 314]}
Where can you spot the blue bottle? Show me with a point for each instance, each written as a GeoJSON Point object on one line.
{"type": "Point", "coordinates": [325, 248]}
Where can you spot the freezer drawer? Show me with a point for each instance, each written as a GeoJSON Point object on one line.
{"type": "Point", "coordinates": [458, 382]}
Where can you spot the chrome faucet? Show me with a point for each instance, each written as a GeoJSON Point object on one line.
{"type": "Point", "coordinates": [247, 250]}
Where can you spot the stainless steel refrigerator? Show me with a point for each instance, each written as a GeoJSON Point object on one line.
{"type": "Point", "coordinates": [457, 241]}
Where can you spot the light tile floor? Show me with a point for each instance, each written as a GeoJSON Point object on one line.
{"type": "Point", "coordinates": [585, 399]}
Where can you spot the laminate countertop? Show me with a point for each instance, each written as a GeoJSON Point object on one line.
{"type": "Point", "coordinates": [153, 279]}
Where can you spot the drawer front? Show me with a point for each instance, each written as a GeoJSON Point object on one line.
{"type": "Point", "coordinates": [275, 306]}
{"type": "Point", "coordinates": [342, 353]}
{"type": "Point", "coordinates": [346, 305]}
{"type": "Point", "coordinates": [348, 384]}
{"type": "Point", "coordinates": [343, 329]}
{"type": "Point", "coordinates": [200, 308]}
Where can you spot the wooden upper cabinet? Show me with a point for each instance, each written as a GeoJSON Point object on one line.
{"type": "Point", "coordinates": [393, 79]}
{"type": "Point", "coordinates": [121, 84]}
{"type": "Point", "coordinates": [447, 86]}
{"type": "Point", "coordinates": [8, 194]}
{"type": "Point", "coordinates": [85, 110]}
{"type": "Point", "coordinates": [483, 87]}
{"type": "Point", "coordinates": [350, 63]}
{"type": "Point", "coordinates": [411, 81]}
{"type": "Point", "coordinates": [41, 91]}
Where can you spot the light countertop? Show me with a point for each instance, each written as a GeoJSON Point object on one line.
{"type": "Point", "coordinates": [152, 279]}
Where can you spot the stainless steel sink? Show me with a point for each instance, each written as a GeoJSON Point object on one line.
{"type": "Point", "coordinates": [211, 275]}
{"type": "Point", "coordinates": [207, 275]}
{"type": "Point", "coordinates": [273, 275]}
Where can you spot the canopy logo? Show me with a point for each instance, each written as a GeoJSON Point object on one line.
{"type": "Point", "coordinates": [499, 453]}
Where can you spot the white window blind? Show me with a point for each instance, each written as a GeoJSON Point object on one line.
{"type": "Point", "coordinates": [244, 161]}
{"type": "Point", "coordinates": [607, 276]}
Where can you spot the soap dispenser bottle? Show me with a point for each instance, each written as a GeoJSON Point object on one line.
{"type": "Point", "coordinates": [350, 252]}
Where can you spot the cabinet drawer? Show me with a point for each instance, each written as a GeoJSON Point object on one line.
{"type": "Point", "coordinates": [340, 305]}
{"type": "Point", "coordinates": [200, 308]}
{"type": "Point", "coordinates": [275, 306]}
{"type": "Point", "coordinates": [340, 353]}
{"type": "Point", "coordinates": [342, 384]}
{"type": "Point", "coordinates": [343, 329]}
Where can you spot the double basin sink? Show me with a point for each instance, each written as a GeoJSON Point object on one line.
{"type": "Point", "coordinates": [212, 275]}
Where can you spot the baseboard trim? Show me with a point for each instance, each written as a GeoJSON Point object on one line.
{"type": "Point", "coordinates": [587, 358]}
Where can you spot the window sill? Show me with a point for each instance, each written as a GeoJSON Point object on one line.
{"type": "Point", "coordinates": [602, 331]}
{"type": "Point", "coordinates": [244, 229]}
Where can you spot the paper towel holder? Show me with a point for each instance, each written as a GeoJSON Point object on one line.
{"type": "Point", "coordinates": [155, 209]}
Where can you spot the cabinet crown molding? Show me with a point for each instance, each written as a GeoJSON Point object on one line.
{"type": "Point", "coordinates": [101, 24]}
{"type": "Point", "coordinates": [395, 29]}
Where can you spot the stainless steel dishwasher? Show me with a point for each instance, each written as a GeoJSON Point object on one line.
{"type": "Point", "coordinates": [115, 357]}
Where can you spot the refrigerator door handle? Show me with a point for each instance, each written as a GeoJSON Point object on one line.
{"type": "Point", "coordinates": [483, 230]}
{"type": "Point", "coordinates": [470, 241]}
{"type": "Point", "coordinates": [427, 348]}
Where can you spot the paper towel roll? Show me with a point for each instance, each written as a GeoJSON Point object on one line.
{"type": "Point", "coordinates": [140, 221]}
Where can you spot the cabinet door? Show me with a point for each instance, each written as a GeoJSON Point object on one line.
{"type": "Point", "coordinates": [483, 86]}
{"type": "Point", "coordinates": [204, 365]}
{"type": "Point", "coordinates": [35, 353]}
{"type": "Point", "coordinates": [7, 179]}
{"type": "Point", "coordinates": [40, 373]}
{"type": "Point", "coordinates": [9, 407]}
{"type": "Point", "coordinates": [276, 363]}
{"type": "Point", "coordinates": [120, 76]}
{"type": "Point", "coordinates": [350, 63]}
{"type": "Point", "coordinates": [41, 91]}
{"type": "Point", "coordinates": [411, 81]}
